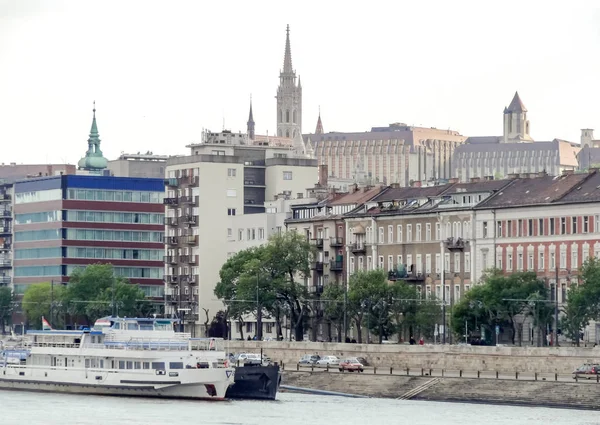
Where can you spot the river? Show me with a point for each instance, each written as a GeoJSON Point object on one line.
{"type": "Point", "coordinates": [29, 408]}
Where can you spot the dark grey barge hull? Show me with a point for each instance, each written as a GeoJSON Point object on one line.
{"type": "Point", "coordinates": [255, 383]}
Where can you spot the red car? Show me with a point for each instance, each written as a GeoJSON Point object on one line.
{"type": "Point", "coordinates": [351, 365]}
{"type": "Point", "coordinates": [587, 371]}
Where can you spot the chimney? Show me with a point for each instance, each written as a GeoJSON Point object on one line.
{"type": "Point", "coordinates": [323, 175]}
{"type": "Point", "coordinates": [454, 180]}
{"type": "Point", "coordinates": [475, 179]}
{"type": "Point", "coordinates": [417, 183]}
{"type": "Point", "coordinates": [395, 186]}
{"type": "Point", "coordinates": [354, 188]}
{"type": "Point", "coordinates": [513, 176]}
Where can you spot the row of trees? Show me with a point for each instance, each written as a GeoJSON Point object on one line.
{"type": "Point", "coordinates": [92, 293]}
{"type": "Point", "coordinates": [270, 279]}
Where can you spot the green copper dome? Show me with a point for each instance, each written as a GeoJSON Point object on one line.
{"type": "Point", "coordinates": [93, 159]}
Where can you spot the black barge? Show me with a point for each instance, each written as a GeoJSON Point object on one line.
{"type": "Point", "coordinates": [255, 382]}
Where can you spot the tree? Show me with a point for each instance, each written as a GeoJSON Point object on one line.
{"type": "Point", "coordinates": [128, 298]}
{"type": "Point", "coordinates": [217, 325]}
{"type": "Point", "coordinates": [365, 290]}
{"type": "Point", "coordinates": [334, 308]}
{"type": "Point", "coordinates": [6, 307]}
{"type": "Point", "coordinates": [37, 301]}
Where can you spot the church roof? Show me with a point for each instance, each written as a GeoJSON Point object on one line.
{"type": "Point", "coordinates": [287, 57]}
{"type": "Point", "coordinates": [319, 129]}
{"type": "Point", "coordinates": [516, 105]}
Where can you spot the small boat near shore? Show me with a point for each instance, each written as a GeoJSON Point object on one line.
{"type": "Point", "coordinates": [255, 382]}
{"type": "Point", "coordinates": [119, 356]}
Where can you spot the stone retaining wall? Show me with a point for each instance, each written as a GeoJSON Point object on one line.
{"type": "Point", "coordinates": [450, 357]}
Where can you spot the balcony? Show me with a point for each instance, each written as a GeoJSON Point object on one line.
{"type": "Point", "coordinates": [358, 248]}
{"type": "Point", "coordinates": [188, 200]}
{"type": "Point", "coordinates": [189, 259]}
{"type": "Point", "coordinates": [319, 243]}
{"type": "Point", "coordinates": [336, 242]}
{"type": "Point", "coordinates": [5, 229]}
{"type": "Point", "coordinates": [5, 246]}
{"type": "Point", "coordinates": [317, 265]}
{"type": "Point", "coordinates": [170, 259]}
{"type": "Point", "coordinates": [410, 276]}
{"type": "Point", "coordinates": [170, 221]}
{"type": "Point", "coordinates": [253, 183]}
{"type": "Point", "coordinates": [173, 299]}
{"type": "Point", "coordinates": [316, 289]}
{"type": "Point", "coordinates": [170, 201]}
{"type": "Point", "coordinates": [4, 280]}
{"type": "Point", "coordinates": [4, 196]}
{"type": "Point", "coordinates": [172, 279]}
{"type": "Point", "coordinates": [190, 219]}
{"type": "Point", "coordinates": [6, 214]}
{"type": "Point", "coordinates": [336, 266]}
{"type": "Point", "coordinates": [172, 182]}
{"type": "Point", "coordinates": [189, 279]}
{"type": "Point", "coordinates": [172, 240]}
{"type": "Point", "coordinates": [455, 245]}
{"type": "Point", "coordinates": [190, 239]}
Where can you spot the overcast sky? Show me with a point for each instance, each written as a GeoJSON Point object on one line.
{"type": "Point", "coordinates": [160, 72]}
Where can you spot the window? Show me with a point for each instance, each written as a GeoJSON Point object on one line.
{"type": "Point", "coordinates": [369, 263]}
{"type": "Point", "coordinates": [419, 264]}
{"type": "Point", "coordinates": [261, 233]}
{"type": "Point", "coordinates": [498, 260]}
{"type": "Point", "coordinates": [467, 262]}
{"type": "Point", "coordinates": [381, 235]}
{"type": "Point", "coordinates": [456, 293]}
{"type": "Point", "coordinates": [574, 259]}
{"type": "Point", "coordinates": [38, 235]}
{"type": "Point", "coordinates": [457, 262]}
{"type": "Point", "coordinates": [231, 193]}
{"type": "Point", "coordinates": [574, 225]}
{"type": "Point", "coordinates": [390, 234]}
{"type": "Point", "coordinates": [438, 263]}
{"type": "Point", "coordinates": [467, 287]}
{"type": "Point", "coordinates": [428, 291]}
{"type": "Point", "coordinates": [447, 263]}
{"type": "Point", "coordinates": [484, 233]}
{"type": "Point", "coordinates": [287, 175]}
{"type": "Point", "coordinates": [509, 228]}
{"type": "Point", "coordinates": [230, 211]}
{"type": "Point", "coordinates": [231, 172]}
{"type": "Point", "coordinates": [530, 261]}
{"type": "Point", "coordinates": [541, 227]}
{"type": "Point", "coordinates": [229, 232]}
{"type": "Point", "coordinates": [498, 229]}
{"type": "Point", "coordinates": [409, 262]}
{"type": "Point", "coordinates": [269, 327]}
{"type": "Point", "coordinates": [509, 262]}
{"type": "Point", "coordinates": [586, 224]}
{"type": "Point", "coordinates": [563, 258]}
{"type": "Point", "coordinates": [551, 227]}
{"type": "Point", "coordinates": [541, 260]}
{"type": "Point", "coordinates": [438, 231]}
{"type": "Point", "coordinates": [399, 260]}
{"type": "Point", "coordinates": [427, 263]}
{"type": "Point", "coordinates": [399, 233]}
{"type": "Point", "coordinates": [390, 262]}
{"type": "Point", "coordinates": [409, 233]}
{"type": "Point", "coordinates": [520, 261]}
{"type": "Point", "coordinates": [240, 234]}
{"type": "Point", "coordinates": [519, 228]}
{"type": "Point", "coordinates": [585, 253]}
{"type": "Point", "coordinates": [428, 231]}
{"type": "Point", "coordinates": [530, 227]}
{"type": "Point", "coordinates": [418, 235]}
{"type": "Point", "coordinates": [563, 225]}
{"type": "Point", "coordinates": [552, 261]}
{"type": "Point", "coordinates": [352, 264]}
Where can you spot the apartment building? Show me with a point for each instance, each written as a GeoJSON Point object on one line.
{"type": "Point", "coordinates": [205, 190]}
{"type": "Point", "coordinates": [70, 221]}
{"type": "Point", "coordinates": [146, 165]}
{"type": "Point", "coordinates": [6, 196]}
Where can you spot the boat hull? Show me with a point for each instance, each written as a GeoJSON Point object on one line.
{"type": "Point", "coordinates": [255, 382]}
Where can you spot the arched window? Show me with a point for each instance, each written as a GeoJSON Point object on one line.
{"type": "Point", "coordinates": [287, 133]}
{"type": "Point", "coordinates": [294, 134]}
{"type": "Point", "coordinates": [279, 133]}
{"type": "Point", "coordinates": [287, 115]}
{"type": "Point", "coordinates": [281, 116]}
{"type": "Point", "coordinates": [294, 116]}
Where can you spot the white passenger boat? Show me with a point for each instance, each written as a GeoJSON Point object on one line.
{"type": "Point", "coordinates": [119, 356]}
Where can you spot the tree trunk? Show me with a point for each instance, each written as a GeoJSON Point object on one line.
{"type": "Point", "coordinates": [259, 325]}
{"type": "Point", "coordinates": [241, 322]}
{"type": "Point", "coordinates": [278, 331]}
{"type": "Point", "coordinates": [358, 330]}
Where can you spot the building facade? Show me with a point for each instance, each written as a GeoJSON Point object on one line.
{"type": "Point", "coordinates": [65, 222]}
{"type": "Point", "coordinates": [289, 97]}
{"type": "Point", "coordinates": [6, 253]}
{"type": "Point", "coordinates": [145, 165]}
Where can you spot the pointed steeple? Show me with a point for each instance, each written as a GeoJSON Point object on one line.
{"type": "Point", "coordinates": [287, 57]}
{"type": "Point", "coordinates": [250, 123]}
{"type": "Point", "coordinates": [93, 160]}
{"type": "Point", "coordinates": [516, 105]}
{"type": "Point", "coordinates": [319, 129]}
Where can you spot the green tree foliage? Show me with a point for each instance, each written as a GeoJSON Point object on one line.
{"type": "Point", "coordinates": [6, 307]}
{"type": "Point", "coordinates": [88, 296]}
{"type": "Point", "coordinates": [334, 307]}
{"type": "Point", "coordinates": [503, 301]}
{"type": "Point", "coordinates": [265, 279]}
{"type": "Point", "coordinates": [37, 301]}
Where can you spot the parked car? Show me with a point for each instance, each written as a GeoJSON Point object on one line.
{"type": "Point", "coordinates": [587, 371]}
{"type": "Point", "coordinates": [328, 361]}
{"type": "Point", "coordinates": [309, 359]}
{"type": "Point", "coordinates": [249, 359]}
{"type": "Point", "coordinates": [351, 364]}
{"type": "Point", "coordinates": [363, 361]}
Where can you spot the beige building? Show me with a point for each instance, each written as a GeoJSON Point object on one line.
{"type": "Point", "coordinates": [139, 165]}
{"type": "Point", "coordinates": [205, 190]}
{"type": "Point", "coordinates": [514, 152]}
{"type": "Point", "coordinates": [385, 155]}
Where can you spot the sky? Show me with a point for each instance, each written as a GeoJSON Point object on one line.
{"type": "Point", "coordinates": [162, 71]}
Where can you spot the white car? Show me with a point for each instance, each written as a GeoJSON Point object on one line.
{"type": "Point", "coordinates": [328, 360]}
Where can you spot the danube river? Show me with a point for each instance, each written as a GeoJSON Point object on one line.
{"type": "Point", "coordinates": [290, 409]}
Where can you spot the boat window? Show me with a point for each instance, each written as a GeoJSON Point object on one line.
{"type": "Point", "coordinates": [121, 364]}
{"type": "Point", "coordinates": [158, 365]}
{"type": "Point", "coordinates": [129, 365]}
{"type": "Point", "coordinates": [87, 363]}
{"type": "Point", "coordinates": [176, 365]}
{"type": "Point", "coordinates": [112, 364]}
{"type": "Point", "coordinates": [146, 327]}
{"type": "Point", "coordinates": [146, 365]}
{"type": "Point", "coordinates": [117, 326]}
{"type": "Point", "coordinates": [101, 364]}
{"type": "Point", "coordinates": [137, 365]}
{"type": "Point", "coordinates": [132, 326]}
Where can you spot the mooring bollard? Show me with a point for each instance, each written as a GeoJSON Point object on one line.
{"type": "Point", "coordinates": [327, 368]}
{"type": "Point", "coordinates": [496, 374]}
{"type": "Point", "coordinates": [442, 373]}
{"type": "Point", "coordinates": [422, 371]}
{"type": "Point", "coordinates": [407, 371]}
{"type": "Point", "coordinates": [478, 374]}
{"type": "Point", "coordinates": [535, 376]}
{"type": "Point", "coordinates": [312, 367]}
{"type": "Point", "coordinates": [516, 375]}
{"type": "Point", "coordinates": [297, 367]}
{"type": "Point", "coordinates": [597, 376]}
{"type": "Point", "coordinates": [556, 376]}
{"type": "Point", "coordinates": [391, 370]}
{"type": "Point", "coordinates": [374, 370]}
{"type": "Point", "coordinates": [460, 373]}
{"type": "Point", "coordinates": [430, 372]}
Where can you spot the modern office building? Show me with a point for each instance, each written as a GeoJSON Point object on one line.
{"type": "Point", "coordinates": [6, 196]}
{"type": "Point", "coordinates": [65, 222]}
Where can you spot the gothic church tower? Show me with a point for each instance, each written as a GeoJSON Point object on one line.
{"type": "Point", "coordinates": [516, 125]}
{"type": "Point", "coordinates": [289, 97]}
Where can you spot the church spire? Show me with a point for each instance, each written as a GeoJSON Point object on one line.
{"type": "Point", "coordinates": [250, 123]}
{"type": "Point", "coordinates": [287, 57]}
{"type": "Point", "coordinates": [93, 160]}
{"type": "Point", "coordinates": [319, 129]}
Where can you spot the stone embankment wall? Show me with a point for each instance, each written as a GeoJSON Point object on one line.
{"type": "Point", "coordinates": [449, 357]}
{"type": "Point", "coordinates": [532, 393]}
